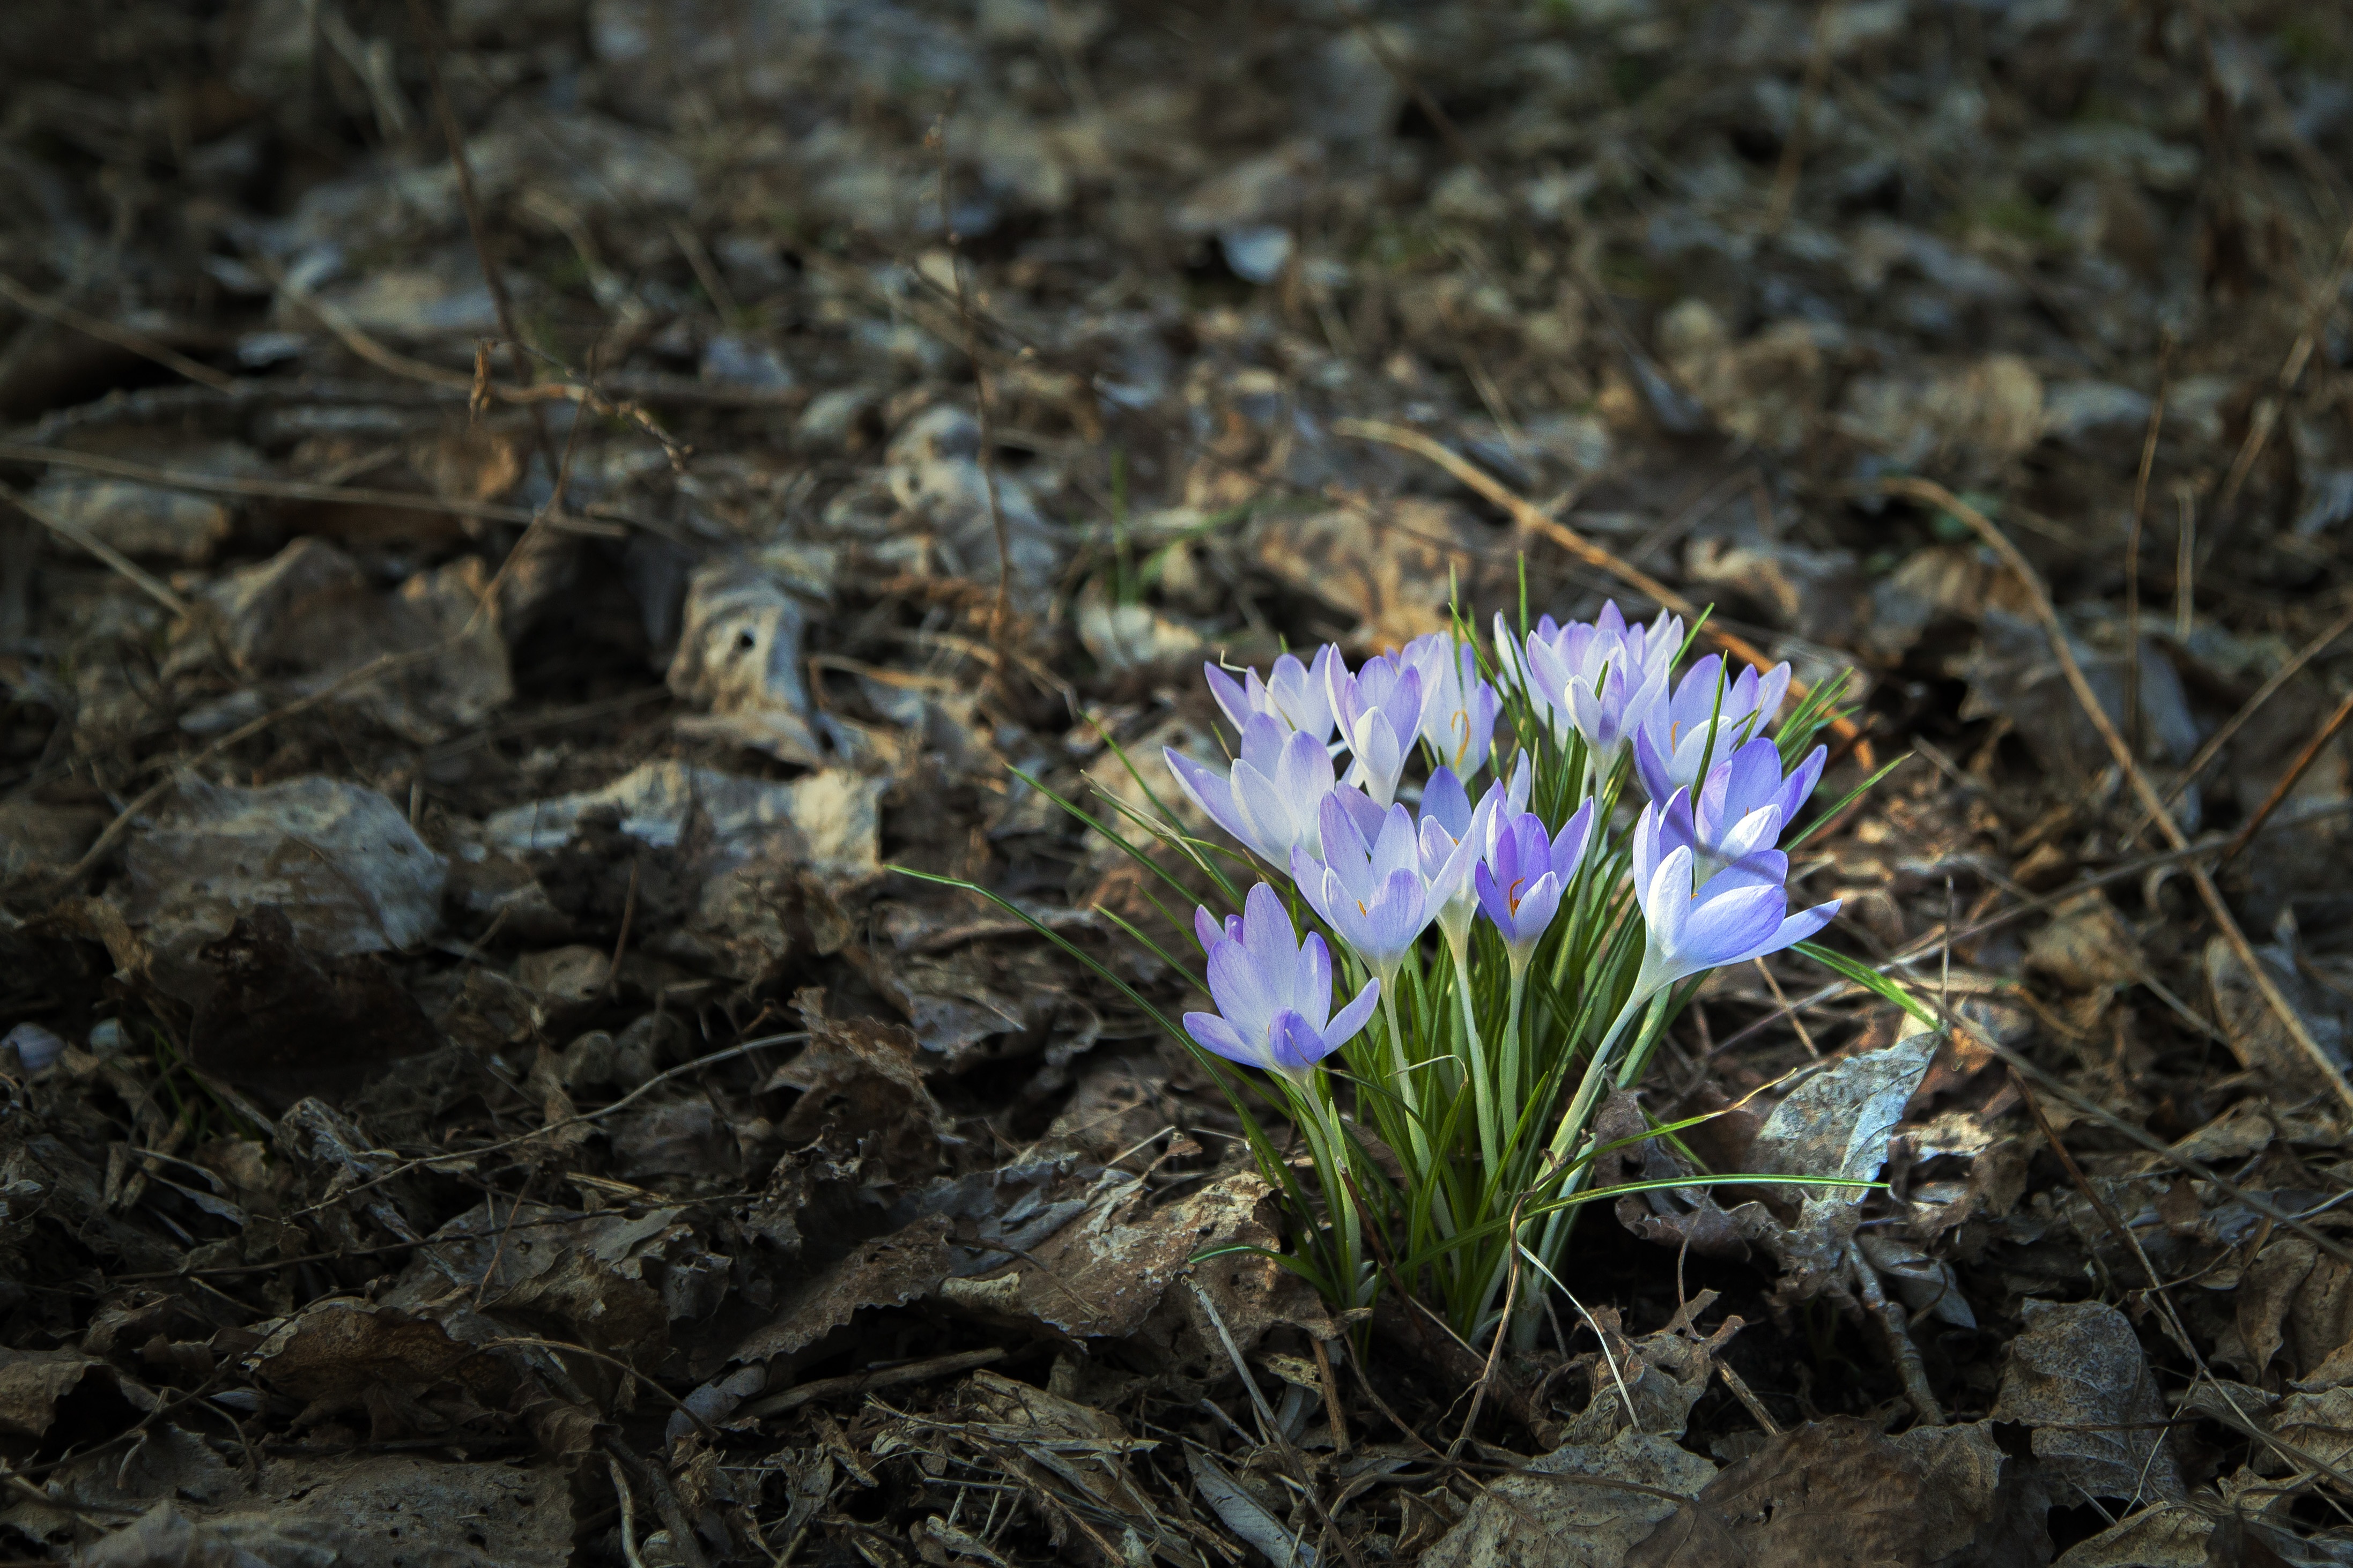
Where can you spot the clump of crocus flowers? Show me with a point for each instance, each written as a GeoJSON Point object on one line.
{"type": "Point", "coordinates": [1515, 864]}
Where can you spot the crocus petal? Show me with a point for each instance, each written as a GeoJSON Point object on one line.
{"type": "Point", "coordinates": [1752, 832]}
{"type": "Point", "coordinates": [1800, 926]}
{"type": "Point", "coordinates": [1229, 695]}
{"type": "Point", "coordinates": [1446, 802]}
{"type": "Point", "coordinates": [1539, 902]}
{"type": "Point", "coordinates": [1491, 898]}
{"type": "Point", "coordinates": [1206, 928]}
{"type": "Point", "coordinates": [1242, 993]}
{"type": "Point", "coordinates": [1294, 1044]}
{"type": "Point", "coordinates": [1800, 785]}
{"type": "Point", "coordinates": [1267, 939]}
{"type": "Point", "coordinates": [1729, 928]}
{"type": "Point", "coordinates": [1263, 813]}
{"type": "Point", "coordinates": [1303, 772]}
{"type": "Point", "coordinates": [1758, 869]}
{"type": "Point", "coordinates": [1569, 845]}
{"type": "Point", "coordinates": [1314, 995]}
{"type": "Point", "coordinates": [1316, 885]}
{"type": "Point", "coordinates": [1364, 814]}
{"type": "Point", "coordinates": [1380, 757]}
{"type": "Point", "coordinates": [1213, 1033]}
{"type": "Point", "coordinates": [1508, 667]}
{"type": "Point", "coordinates": [1395, 916]}
{"type": "Point", "coordinates": [1652, 766]}
{"type": "Point", "coordinates": [1667, 900]}
{"type": "Point", "coordinates": [1211, 790]}
{"type": "Point", "coordinates": [1354, 1016]}
{"type": "Point", "coordinates": [1398, 845]}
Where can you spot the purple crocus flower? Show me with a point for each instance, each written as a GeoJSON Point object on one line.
{"type": "Point", "coordinates": [1379, 711]}
{"type": "Point", "coordinates": [1453, 834]}
{"type": "Point", "coordinates": [1269, 798]}
{"type": "Point", "coordinates": [1689, 926]}
{"type": "Point", "coordinates": [1602, 677]}
{"type": "Point", "coordinates": [1296, 694]}
{"type": "Point", "coordinates": [1459, 719]}
{"type": "Point", "coordinates": [1525, 872]}
{"type": "Point", "coordinates": [1273, 992]}
{"type": "Point", "coordinates": [1370, 891]}
{"type": "Point", "coordinates": [1673, 740]}
{"type": "Point", "coordinates": [1743, 806]}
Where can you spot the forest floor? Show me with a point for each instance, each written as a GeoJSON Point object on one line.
{"type": "Point", "coordinates": [478, 625]}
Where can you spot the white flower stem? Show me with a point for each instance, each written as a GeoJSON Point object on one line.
{"type": "Point", "coordinates": [1319, 1122]}
{"type": "Point", "coordinates": [1573, 1130]}
{"type": "Point", "coordinates": [1515, 1048]}
{"type": "Point", "coordinates": [1405, 1083]}
{"type": "Point", "coordinates": [1483, 1088]}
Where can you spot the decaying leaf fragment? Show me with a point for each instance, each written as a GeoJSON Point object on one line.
{"type": "Point", "coordinates": [1107, 1273]}
{"type": "Point", "coordinates": [1074, 1462]}
{"type": "Point", "coordinates": [163, 1537]}
{"type": "Point", "coordinates": [1840, 1492]}
{"type": "Point", "coordinates": [31, 1385]}
{"type": "Point", "coordinates": [1580, 1506]}
{"type": "Point", "coordinates": [2078, 1376]}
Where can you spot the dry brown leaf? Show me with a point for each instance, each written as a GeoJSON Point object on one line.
{"type": "Point", "coordinates": [2078, 1376]}
{"type": "Point", "coordinates": [1838, 1491]}
{"type": "Point", "coordinates": [1392, 563]}
{"type": "Point", "coordinates": [1580, 1506]}
{"type": "Point", "coordinates": [2087, 945]}
{"type": "Point", "coordinates": [31, 1385]}
{"type": "Point", "coordinates": [163, 1537]}
{"type": "Point", "coordinates": [888, 1272]}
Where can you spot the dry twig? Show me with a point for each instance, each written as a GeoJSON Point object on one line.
{"type": "Point", "coordinates": [1533, 518]}
{"type": "Point", "coordinates": [1936, 495]}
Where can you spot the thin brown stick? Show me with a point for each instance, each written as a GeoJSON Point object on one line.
{"type": "Point", "coordinates": [140, 343]}
{"type": "Point", "coordinates": [486, 606]}
{"type": "Point", "coordinates": [1332, 1412]}
{"type": "Point", "coordinates": [2122, 1233]}
{"type": "Point", "coordinates": [2132, 547]}
{"type": "Point", "coordinates": [2296, 771]}
{"type": "Point", "coordinates": [1793, 151]}
{"type": "Point", "coordinates": [1747, 1396]}
{"type": "Point", "coordinates": [430, 35]}
{"type": "Point", "coordinates": [2185, 563]}
{"type": "Point", "coordinates": [2084, 1105]}
{"type": "Point", "coordinates": [2264, 694]}
{"type": "Point", "coordinates": [621, 942]}
{"type": "Point", "coordinates": [1503, 1326]}
{"type": "Point", "coordinates": [1915, 951]}
{"type": "Point", "coordinates": [628, 1513]}
{"type": "Point", "coordinates": [392, 361]}
{"type": "Point", "coordinates": [81, 538]}
{"type": "Point", "coordinates": [1532, 519]}
{"type": "Point", "coordinates": [938, 140]}
{"type": "Point", "coordinates": [2291, 371]}
{"type": "Point", "coordinates": [2028, 578]}
{"type": "Point", "coordinates": [712, 1060]}
{"type": "Point", "coordinates": [867, 1381]}
{"type": "Point", "coordinates": [2074, 1172]}
{"type": "Point", "coordinates": [298, 490]}
{"type": "Point", "coordinates": [1797, 1020]}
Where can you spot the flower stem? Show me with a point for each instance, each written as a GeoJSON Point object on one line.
{"type": "Point", "coordinates": [1515, 1048]}
{"type": "Point", "coordinates": [1639, 1058]}
{"type": "Point", "coordinates": [1572, 1129]}
{"type": "Point", "coordinates": [1482, 1089]}
{"type": "Point", "coordinates": [1406, 1086]}
{"type": "Point", "coordinates": [1319, 1122]}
